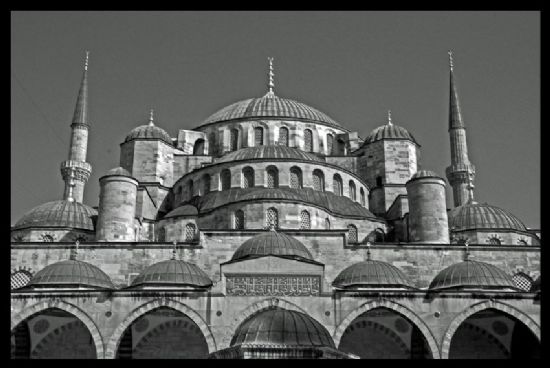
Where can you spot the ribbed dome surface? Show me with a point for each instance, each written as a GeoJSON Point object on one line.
{"type": "Point", "coordinates": [472, 274]}
{"type": "Point", "coordinates": [185, 210]}
{"type": "Point", "coordinates": [372, 273]}
{"type": "Point", "coordinates": [272, 243]}
{"type": "Point", "coordinates": [271, 152]}
{"type": "Point", "coordinates": [118, 171]}
{"type": "Point", "coordinates": [71, 273]}
{"type": "Point", "coordinates": [280, 327]}
{"type": "Point", "coordinates": [389, 132]}
{"type": "Point", "coordinates": [338, 205]}
{"type": "Point", "coordinates": [173, 273]}
{"type": "Point", "coordinates": [59, 214]}
{"type": "Point", "coordinates": [149, 131]}
{"type": "Point", "coordinates": [473, 215]}
{"type": "Point", "coordinates": [266, 107]}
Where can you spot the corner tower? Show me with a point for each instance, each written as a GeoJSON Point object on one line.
{"type": "Point", "coordinates": [461, 169]}
{"type": "Point", "coordinates": [76, 171]}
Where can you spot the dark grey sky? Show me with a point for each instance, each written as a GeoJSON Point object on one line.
{"type": "Point", "coordinates": [353, 66]}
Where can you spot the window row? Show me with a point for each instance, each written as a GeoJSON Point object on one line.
{"type": "Point", "coordinates": [272, 181]}
{"type": "Point", "coordinates": [284, 139]}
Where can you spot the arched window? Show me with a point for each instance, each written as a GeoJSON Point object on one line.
{"type": "Point", "coordinates": [234, 140]}
{"type": "Point", "coordinates": [272, 177]}
{"type": "Point", "coordinates": [205, 184]}
{"type": "Point", "coordinates": [318, 180]}
{"type": "Point", "coordinates": [225, 178]}
{"type": "Point", "coordinates": [352, 193]}
{"type": "Point", "coordinates": [272, 218]}
{"type": "Point", "coordinates": [248, 177]}
{"type": "Point", "coordinates": [308, 140]}
{"type": "Point", "coordinates": [198, 148]}
{"type": "Point", "coordinates": [305, 220]}
{"type": "Point", "coordinates": [238, 220]}
{"type": "Point", "coordinates": [330, 143]}
{"type": "Point", "coordinates": [190, 232]}
{"type": "Point", "coordinates": [327, 224]}
{"type": "Point", "coordinates": [352, 234]}
{"type": "Point", "coordinates": [190, 189]}
{"type": "Point", "coordinates": [283, 136]}
{"type": "Point", "coordinates": [522, 281]}
{"type": "Point", "coordinates": [258, 136]}
{"type": "Point", "coordinates": [337, 184]}
{"type": "Point", "coordinates": [296, 178]}
{"type": "Point", "coordinates": [362, 197]}
{"type": "Point", "coordinates": [494, 241]}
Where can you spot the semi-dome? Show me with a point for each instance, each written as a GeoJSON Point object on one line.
{"type": "Point", "coordinates": [270, 152]}
{"type": "Point", "coordinates": [272, 243]}
{"type": "Point", "coordinates": [372, 273]}
{"type": "Point", "coordinates": [173, 273]}
{"type": "Point", "coordinates": [472, 275]}
{"type": "Point", "coordinates": [270, 107]}
{"type": "Point", "coordinates": [71, 273]}
{"type": "Point", "coordinates": [389, 131]}
{"type": "Point", "coordinates": [279, 327]}
{"type": "Point", "coordinates": [62, 213]}
{"type": "Point", "coordinates": [474, 215]}
{"type": "Point", "coordinates": [149, 131]}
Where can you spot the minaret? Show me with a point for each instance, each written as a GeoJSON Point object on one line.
{"type": "Point", "coordinates": [461, 172]}
{"type": "Point", "coordinates": [76, 171]}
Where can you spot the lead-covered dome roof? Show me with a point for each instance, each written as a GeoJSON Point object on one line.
{"type": "Point", "coordinates": [425, 174]}
{"type": "Point", "coordinates": [173, 273]}
{"type": "Point", "coordinates": [472, 275]}
{"type": "Point", "coordinates": [474, 215]}
{"type": "Point", "coordinates": [62, 213]}
{"type": "Point", "coordinates": [270, 106]}
{"type": "Point", "coordinates": [71, 273]}
{"type": "Point", "coordinates": [149, 131]}
{"type": "Point", "coordinates": [372, 273]}
{"type": "Point", "coordinates": [389, 131]}
{"type": "Point", "coordinates": [272, 243]}
{"type": "Point", "coordinates": [281, 327]}
{"type": "Point", "coordinates": [270, 152]}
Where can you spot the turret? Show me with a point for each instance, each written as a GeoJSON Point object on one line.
{"type": "Point", "coordinates": [76, 171]}
{"type": "Point", "coordinates": [461, 168]}
{"type": "Point", "coordinates": [428, 221]}
{"type": "Point", "coordinates": [117, 206]}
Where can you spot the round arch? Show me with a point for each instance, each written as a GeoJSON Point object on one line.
{"type": "Point", "coordinates": [489, 304]}
{"type": "Point", "coordinates": [112, 345]}
{"type": "Point", "coordinates": [419, 323]}
{"type": "Point", "coordinates": [69, 308]}
{"type": "Point", "coordinates": [253, 309]}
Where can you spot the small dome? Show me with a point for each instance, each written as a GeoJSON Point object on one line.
{"type": "Point", "coordinates": [389, 131]}
{"type": "Point", "coordinates": [71, 273]}
{"type": "Point", "coordinates": [473, 275]}
{"type": "Point", "coordinates": [280, 327]}
{"type": "Point", "coordinates": [425, 174]}
{"type": "Point", "coordinates": [473, 215]}
{"type": "Point", "coordinates": [372, 273]}
{"type": "Point", "coordinates": [59, 214]}
{"type": "Point", "coordinates": [149, 131]}
{"type": "Point", "coordinates": [185, 210]}
{"type": "Point", "coordinates": [120, 171]}
{"type": "Point", "coordinates": [173, 273]}
{"type": "Point", "coordinates": [272, 243]}
{"type": "Point", "coordinates": [270, 152]}
{"type": "Point", "coordinates": [270, 107]}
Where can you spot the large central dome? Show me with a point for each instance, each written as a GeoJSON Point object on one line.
{"type": "Point", "coordinates": [270, 106]}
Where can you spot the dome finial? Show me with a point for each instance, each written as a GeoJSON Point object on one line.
{"type": "Point", "coordinates": [74, 251]}
{"type": "Point", "coordinates": [174, 251]}
{"type": "Point", "coordinates": [86, 61]}
{"type": "Point", "coordinates": [450, 52]}
{"type": "Point", "coordinates": [466, 250]}
{"type": "Point", "coordinates": [471, 186]}
{"type": "Point", "coordinates": [271, 83]}
{"type": "Point", "coordinates": [389, 118]}
{"type": "Point", "coordinates": [72, 184]}
{"type": "Point", "coordinates": [368, 250]}
{"type": "Point", "coordinates": [151, 117]}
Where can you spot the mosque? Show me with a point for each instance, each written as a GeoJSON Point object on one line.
{"type": "Point", "coordinates": [272, 231]}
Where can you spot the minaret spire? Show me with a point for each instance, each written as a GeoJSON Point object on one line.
{"type": "Point", "coordinates": [76, 171]}
{"type": "Point", "coordinates": [271, 83]}
{"type": "Point", "coordinates": [461, 172]}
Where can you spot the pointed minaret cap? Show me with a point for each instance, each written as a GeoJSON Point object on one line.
{"type": "Point", "coordinates": [455, 116]}
{"type": "Point", "coordinates": [80, 115]}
